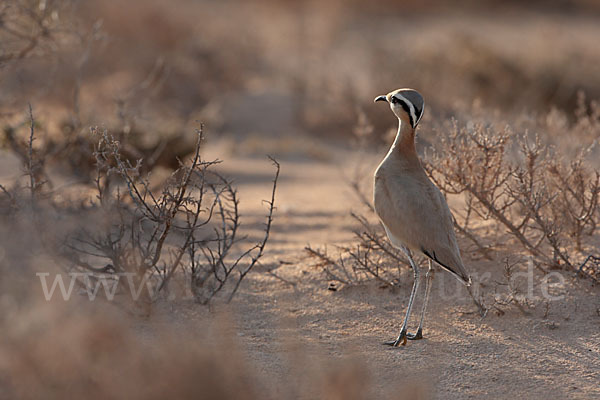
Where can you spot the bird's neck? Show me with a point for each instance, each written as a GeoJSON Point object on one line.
{"type": "Point", "coordinates": [404, 143]}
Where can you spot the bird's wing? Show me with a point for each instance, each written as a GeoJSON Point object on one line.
{"type": "Point", "coordinates": [441, 245]}
{"type": "Point", "coordinates": [416, 215]}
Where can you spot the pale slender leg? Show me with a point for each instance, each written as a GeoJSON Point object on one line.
{"type": "Point", "coordinates": [428, 279]}
{"type": "Point", "coordinates": [402, 336]}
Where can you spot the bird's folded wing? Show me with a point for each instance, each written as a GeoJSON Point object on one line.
{"type": "Point", "coordinates": [449, 260]}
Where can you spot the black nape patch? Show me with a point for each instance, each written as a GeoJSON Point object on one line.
{"type": "Point", "coordinates": [419, 113]}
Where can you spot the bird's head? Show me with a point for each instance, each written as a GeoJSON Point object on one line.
{"type": "Point", "coordinates": [407, 104]}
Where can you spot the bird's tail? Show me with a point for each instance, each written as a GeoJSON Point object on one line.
{"type": "Point", "coordinates": [456, 268]}
{"type": "Point", "coordinates": [465, 280]}
{"type": "Point", "coordinates": [463, 276]}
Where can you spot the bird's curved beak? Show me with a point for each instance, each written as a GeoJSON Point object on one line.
{"type": "Point", "coordinates": [380, 98]}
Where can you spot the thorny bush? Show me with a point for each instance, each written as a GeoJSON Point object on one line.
{"type": "Point", "coordinates": [190, 223]}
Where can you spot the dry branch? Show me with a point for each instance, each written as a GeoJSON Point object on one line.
{"type": "Point", "coordinates": [191, 224]}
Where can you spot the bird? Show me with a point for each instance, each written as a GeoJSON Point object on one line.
{"type": "Point", "coordinates": [412, 210]}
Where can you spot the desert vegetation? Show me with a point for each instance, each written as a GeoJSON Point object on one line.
{"type": "Point", "coordinates": [199, 174]}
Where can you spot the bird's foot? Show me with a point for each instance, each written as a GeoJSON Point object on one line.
{"type": "Point", "coordinates": [415, 336]}
{"type": "Point", "coordinates": [400, 341]}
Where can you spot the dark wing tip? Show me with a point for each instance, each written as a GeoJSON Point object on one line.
{"type": "Point", "coordinates": [465, 280]}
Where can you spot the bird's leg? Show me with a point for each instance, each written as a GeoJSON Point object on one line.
{"type": "Point", "coordinates": [402, 336]}
{"type": "Point", "coordinates": [428, 279]}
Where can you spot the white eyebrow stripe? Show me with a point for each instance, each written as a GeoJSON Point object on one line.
{"type": "Point", "coordinates": [413, 114]}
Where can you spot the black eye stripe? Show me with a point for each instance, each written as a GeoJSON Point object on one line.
{"type": "Point", "coordinates": [406, 108]}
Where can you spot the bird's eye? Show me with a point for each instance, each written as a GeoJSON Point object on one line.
{"type": "Point", "coordinates": [394, 100]}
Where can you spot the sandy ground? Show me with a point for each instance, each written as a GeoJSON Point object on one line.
{"type": "Point", "coordinates": [289, 330]}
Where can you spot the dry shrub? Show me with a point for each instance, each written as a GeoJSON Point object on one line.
{"type": "Point", "coordinates": [583, 125]}
{"type": "Point", "coordinates": [512, 294]}
{"type": "Point", "coordinates": [30, 27]}
{"type": "Point", "coordinates": [547, 204]}
{"type": "Point", "coordinates": [190, 223]}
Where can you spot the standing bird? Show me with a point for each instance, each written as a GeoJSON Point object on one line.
{"type": "Point", "coordinates": [413, 211]}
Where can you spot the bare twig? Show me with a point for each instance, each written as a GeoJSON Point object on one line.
{"type": "Point", "coordinates": [157, 234]}
{"type": "Point", "coordinates": [260, 247]}
{"type": "Point", "coordinates": [30, 162]}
